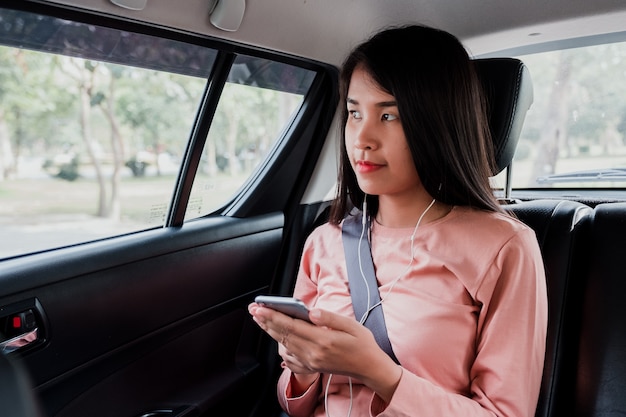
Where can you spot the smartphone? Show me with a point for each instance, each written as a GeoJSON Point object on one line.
{"type": "Point", "coordinates": [287, 305]}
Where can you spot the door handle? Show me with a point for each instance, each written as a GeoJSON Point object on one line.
{"type": "Point", "coordinates": [20, 341]}
{"type": "Point", "coordinates": [22, 326]}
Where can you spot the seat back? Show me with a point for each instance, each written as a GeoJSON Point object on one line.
{"type": "Point", "coordinates": [600, 381]}
{"type": "Point", "coordinates": [560, 226]}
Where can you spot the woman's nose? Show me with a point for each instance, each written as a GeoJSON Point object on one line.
{"type": "Point", "coordinates": [365, 136]}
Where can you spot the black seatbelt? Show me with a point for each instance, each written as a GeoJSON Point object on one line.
{"type": "Point", "coordinates": [375, 322]}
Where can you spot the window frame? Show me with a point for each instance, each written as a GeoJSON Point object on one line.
{"type": "Point", "coordinates": [590, 196]}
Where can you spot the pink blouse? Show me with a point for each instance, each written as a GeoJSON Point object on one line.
{"type": "Point", "coordinates": [467, 321]}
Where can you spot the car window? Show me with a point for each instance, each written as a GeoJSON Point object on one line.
{"type": "Point", "coordinates": [257, 104]}
{"type": "Point", "coordinates": [574, 135]}
{"type": "Point", "coordinates": [95, 123]}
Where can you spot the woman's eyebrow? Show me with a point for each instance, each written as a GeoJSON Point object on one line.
{"type": "Point", "coordinates": [391, 103]}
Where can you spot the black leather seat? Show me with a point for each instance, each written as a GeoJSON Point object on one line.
{"type": "Point", "coordinates": [560, 226]}
{"type": "Point", "coordinates": [600, 380]}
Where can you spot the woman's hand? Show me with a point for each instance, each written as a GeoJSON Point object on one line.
{"type": "Point", "coordinates": [332, 344]}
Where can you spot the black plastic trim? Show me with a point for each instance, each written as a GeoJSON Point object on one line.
{"type": "Point", "coordinates": [195, 146]}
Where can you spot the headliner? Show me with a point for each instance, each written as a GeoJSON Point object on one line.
{"type": "Point", "coordinates": [484, 26]}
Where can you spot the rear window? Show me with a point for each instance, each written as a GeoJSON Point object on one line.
{"type": "Point", "coordinates": [575, 132]}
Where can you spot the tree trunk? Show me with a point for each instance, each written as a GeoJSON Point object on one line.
{"type": "Point", "coordinates": [86, 91]}
{"type": "Point", "coordinates": [117, 146]}
{"type": "Point", "coordinates": [554, 131]}
{"type": "Point", "coordinates": [211, 156]}
{"type": "Point", "coordinates": [7, 160]}
{"type": "Point", "coordinates": [231, 144]}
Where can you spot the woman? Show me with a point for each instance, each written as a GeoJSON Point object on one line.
{"type": "Point", "coordinates": [462, 283]}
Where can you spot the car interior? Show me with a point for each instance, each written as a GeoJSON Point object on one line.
{"type": "Point", "coordinates": [153, 320]}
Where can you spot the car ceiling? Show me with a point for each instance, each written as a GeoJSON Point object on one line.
{"type": "Point", "coordinates": [287, 25]}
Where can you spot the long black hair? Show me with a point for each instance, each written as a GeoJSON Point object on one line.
{"type": "Point", "coordinates": [443, 113]}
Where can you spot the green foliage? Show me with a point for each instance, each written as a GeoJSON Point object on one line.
{"type": "Point", "coordinates": [39, 94]}
{"type": "Point", "coordinates": [154, 112]}
{"type": "Point", "coordinates": [138, 168]}
{"type": "Point", "coordinates": [597, 99]}
{"type": "Point", "coordinates": [69, 171]}
{"type": "Point", "coordinates": [33, 114]}
{"type": "Point", "coordinates": [97, 99]}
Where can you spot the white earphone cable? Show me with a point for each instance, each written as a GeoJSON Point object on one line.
{"type": "Point", "coordinates": [395, 281]}
{"type": "Point", "coordinates": [330, 376]}
{"type": "Point", "coordinates": [364, 222]}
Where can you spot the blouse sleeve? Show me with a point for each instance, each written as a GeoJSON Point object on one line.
{"type": "Point", "coordinates": [505, 376]}
{"type": "Point", "coordinates": [305, 290]}
{"type": "Point", "coordinates": [297, 406]}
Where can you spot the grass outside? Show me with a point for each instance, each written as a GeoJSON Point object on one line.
{"type": "Point", "coordinates": [44, 212]}
{"type": "Point", "coordinates": [26, 199]}
{"type": "Point", "coordinates": [31, 198]}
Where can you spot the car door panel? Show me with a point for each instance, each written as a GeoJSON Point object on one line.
{"type": "Point", "coordinates": [155, 322]}
{"type": "Point", "coordinates": [147, 320]}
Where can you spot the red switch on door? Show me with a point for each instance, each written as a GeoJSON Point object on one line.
{"type": "Point", "coordinates": [23, 322]}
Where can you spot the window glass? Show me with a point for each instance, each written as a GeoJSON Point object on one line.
{"type": "Point", "coordinates": [93, 124]}
{"type": "Point", "coordinates": [259, 100]}
{"type": "Point", "coordinates": [575, 131]}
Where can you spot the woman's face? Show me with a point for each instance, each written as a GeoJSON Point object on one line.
{"type": "Point", "coordinates": [375, 141]}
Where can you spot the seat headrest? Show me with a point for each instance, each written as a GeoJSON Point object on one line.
{"type": "Point", "coordinates": [509, 94]}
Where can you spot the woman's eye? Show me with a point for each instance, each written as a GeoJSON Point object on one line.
{"type": "Point", "coordinates": [389, 117]}
{"type": "Point", "coordinates": [354, 114]}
